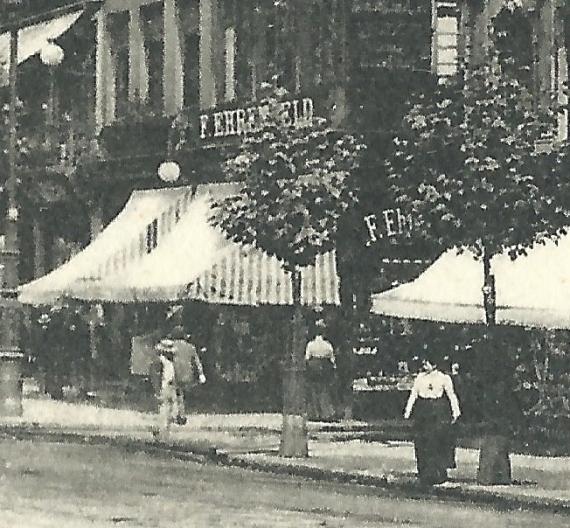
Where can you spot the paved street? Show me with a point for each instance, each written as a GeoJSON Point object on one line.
{"type": "Point", "coordinates": [61, 485]}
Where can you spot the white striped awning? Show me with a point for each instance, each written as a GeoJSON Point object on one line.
{"type": "Point", "coordinates": [247, 276]}
{"type": "Point", "coordinates": [194, 260]}
{"type": "Point", "coordinates": [136, 231]}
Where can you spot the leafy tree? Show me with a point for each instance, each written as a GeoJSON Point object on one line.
{"type": "Point", "coordinates": [297, 184]}
{"type": "Point", "coordinates": [475, 165]}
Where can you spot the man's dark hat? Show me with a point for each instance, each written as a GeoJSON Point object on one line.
{"type": "Point", "coordinates": [178, 332]}
{"type": "Point", "coordinates": [431, 354]}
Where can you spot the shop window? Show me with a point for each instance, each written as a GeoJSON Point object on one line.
{"type": "Point", "coordinates": [445, 38]}
{"type": "Point", "coordinates": [153, 29]}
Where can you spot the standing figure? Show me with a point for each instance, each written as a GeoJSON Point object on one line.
{"type": "Point", "coordinates": [321, 364]}
{"type": "Point", "coordinates": [188, 369]}
{"type": "Point", "coordinates": [167, 394]}
{"type": "Point", "coordinates": [433, 414]}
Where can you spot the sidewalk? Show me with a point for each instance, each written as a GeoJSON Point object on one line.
{"type": "Point", "coordinates": [336, 451]}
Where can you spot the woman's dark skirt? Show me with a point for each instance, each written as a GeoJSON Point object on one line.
{"type": "Point", "coordinates": [320, 389]}
{"type": "Point", "coordinates": [432, 437]}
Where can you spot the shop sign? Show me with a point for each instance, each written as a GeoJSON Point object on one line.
{"type": "Point", "coordinates": [390, 223]}
{"type": "Point", "coordinates": [238, 121]}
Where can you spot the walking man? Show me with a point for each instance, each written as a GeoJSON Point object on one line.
{"type": "Point", "coordinates": [188, 369]}
{"type": "Point", "coordinates": [167, 393]}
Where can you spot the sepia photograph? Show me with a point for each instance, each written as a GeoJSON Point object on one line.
{"type": "Point", "coordinates": [284, 263]}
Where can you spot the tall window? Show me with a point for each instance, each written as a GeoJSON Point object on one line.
{"type": "Point", "coordinates": [118, 27]}
{"type": "Point", "coordinates": [153, 29]}
{"type": "Point", "coordinates": [445, 23]}
{"type": "Point", "coordinates": [560, 89]}
{"type": "Point", "coordinates": [190, 28]}
{"type": "Point", "coordinates": [512, 38]}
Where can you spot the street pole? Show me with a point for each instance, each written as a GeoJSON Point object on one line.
{"type": "Point", "coordinates": [10, 309]}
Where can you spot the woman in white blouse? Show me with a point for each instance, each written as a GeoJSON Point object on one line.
{"type": "Point", "coordinates": [435, 406]}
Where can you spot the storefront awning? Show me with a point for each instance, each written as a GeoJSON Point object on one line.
{"type": "Point", "coordinates": [195, 261]}
{"type": "Point", "coordinates": [32, 39]}
{"type": "Point", "coordinates": [533, 290]}
{"type": "Point", "coordinates": [136, 231]}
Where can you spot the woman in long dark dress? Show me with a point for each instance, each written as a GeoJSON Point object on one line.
{"type": "Point", "coordinates": [435, 406]}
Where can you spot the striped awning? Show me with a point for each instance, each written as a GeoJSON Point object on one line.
{"type": "Point", "coordinates": [194, 260]}
{"type": "Point", "coordinates": [137, 230]}
{"type": "Point", "coordinates": [247, 276]}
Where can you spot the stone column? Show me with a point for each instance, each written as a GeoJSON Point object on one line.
{"type": "Point", "coordinates": [138, 78]}
{"type": "Point", "coordinates": [104, 76]}
{"type": "Point", "coordinates": [207, 47]}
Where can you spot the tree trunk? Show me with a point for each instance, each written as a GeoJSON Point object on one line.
{"type": "Point", "coordinates": [494, 460]}
{"type": "Point", "coordinates": [294, 430]}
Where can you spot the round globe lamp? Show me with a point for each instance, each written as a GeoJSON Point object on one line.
{"type": "Point", "coordinates": [51, 54]}
{"type": "Point", "coordinates": [169, 171]}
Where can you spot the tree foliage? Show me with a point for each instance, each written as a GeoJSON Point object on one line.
{"type": "Point", "coordinates": [470, 164]}
{"type": "Point", "coordinates": [297, 182]}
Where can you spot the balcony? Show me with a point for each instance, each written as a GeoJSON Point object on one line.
{"type": "Point", "coordinates": [140, 131]}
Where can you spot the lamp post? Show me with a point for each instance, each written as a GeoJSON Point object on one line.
{"type": "Point", "coordinates": [52, 56]}
{"type": "Point", "coordinates": [10, 309]}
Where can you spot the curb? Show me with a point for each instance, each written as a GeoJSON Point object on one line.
{"type": "Point", "coordinates": [207, 453]}
{"type": "Point", "coordinates": [407, 490]}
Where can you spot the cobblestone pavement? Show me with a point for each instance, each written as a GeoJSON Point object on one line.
{"type": "Point", "coordinates": [77, 486]}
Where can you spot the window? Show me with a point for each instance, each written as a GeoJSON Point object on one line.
{"type": "Point", "coordinates": [560, 88]}
{"type": "Point", "coordinates": [445, 35]}
{"type": "Point", "coordinates": [118, 27]}
{"type": "Point", "coordinates": [153, 28]}
{"type": "Point", "coordinates": [190, 28]}
{"type": "Point", "coordinates": [191, 69]}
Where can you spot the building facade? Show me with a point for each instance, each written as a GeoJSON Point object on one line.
{"type": "Point", "coordinates": [145, 81]}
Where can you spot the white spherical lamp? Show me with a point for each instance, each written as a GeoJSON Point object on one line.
{"type": "Point", "coordinates": [169, 171]}
{"type": "Point", "coordinates": [51, 54]}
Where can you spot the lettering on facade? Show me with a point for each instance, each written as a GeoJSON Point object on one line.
{"type": "Point", "coordinates": [239, 121]}
{"type": "Point", "coordinates": [390, 223]}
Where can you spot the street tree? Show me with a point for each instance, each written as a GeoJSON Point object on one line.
{"type": "Point", "coordinates": [475, 165]}
{"type": "Point", "coordinates": [297, 183]}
